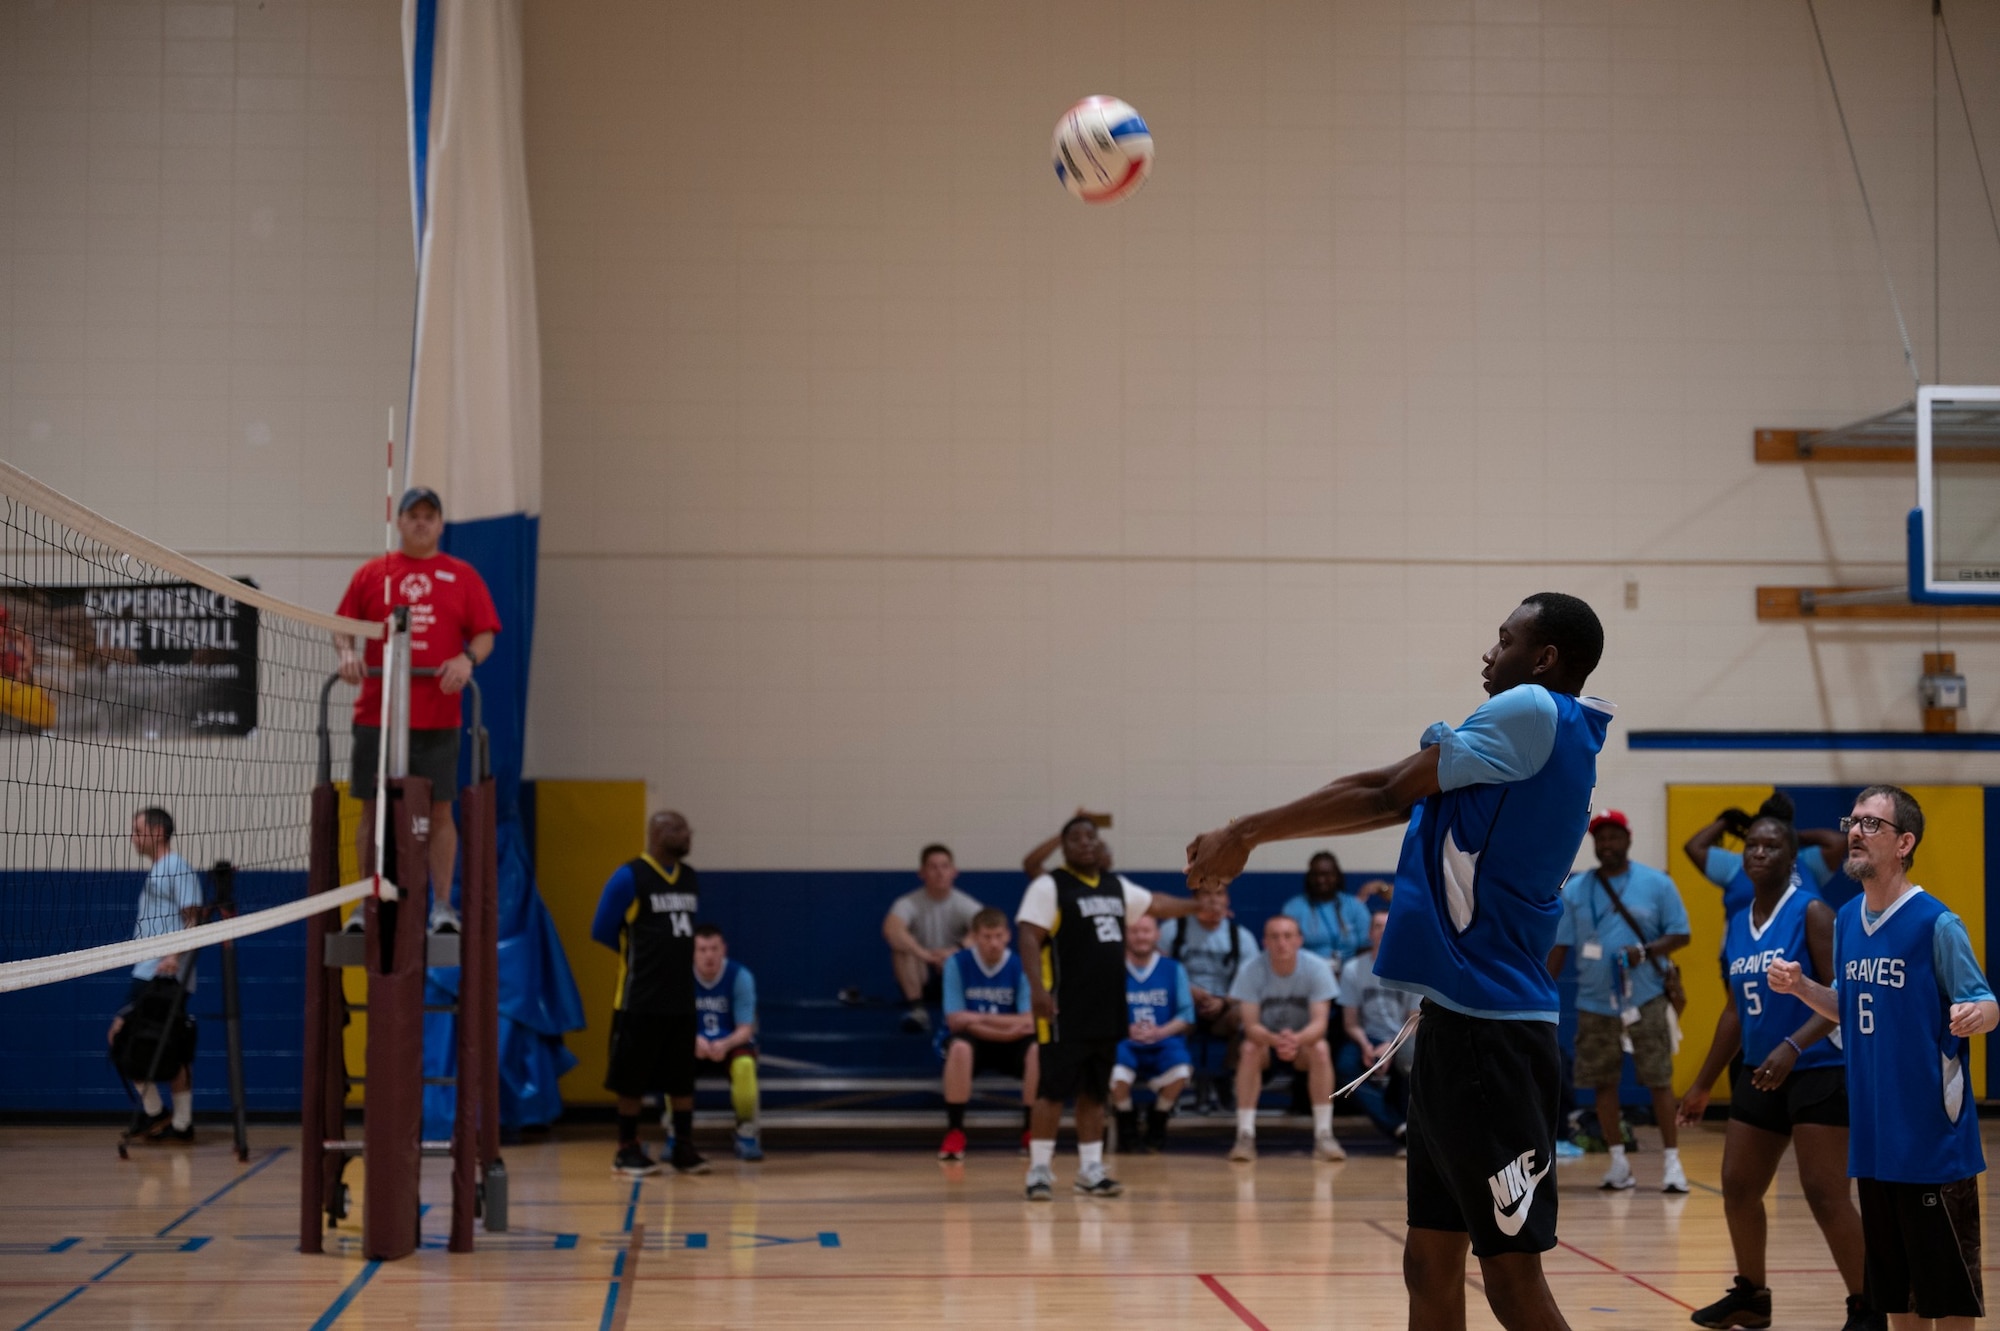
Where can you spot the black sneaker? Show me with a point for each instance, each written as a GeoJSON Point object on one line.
{"type": "Point", "coordinates": [687, 1160]}
{"type": "Point", "coordinates": [916, 1020]}
{"type": "Point", "coordinates": [1860, 1317]}
{"type": "Point", "coordinates": [167, 1132]}
{"type": "Point", "coordinates": [1744, 1305]}
{"type": "Point", "coordinates": [632, 1160]}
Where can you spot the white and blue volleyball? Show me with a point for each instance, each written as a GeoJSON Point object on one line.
{"type": "Point", "coordinates": [1103, 150]}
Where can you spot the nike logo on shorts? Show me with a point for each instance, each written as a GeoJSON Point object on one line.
{"type": "Point", "coordinates": [1514, 1191]}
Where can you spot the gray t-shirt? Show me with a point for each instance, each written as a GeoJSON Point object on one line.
{"type": "Point", "coordinates": [937, 924]}
{"type": "Point", "coordinates": [1383, 1010]}
{"type": "Point", "coordinates": [1284, 1002]}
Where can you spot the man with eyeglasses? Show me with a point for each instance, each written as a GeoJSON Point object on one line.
{"type": "Point", "coordinates": [1907, 993]}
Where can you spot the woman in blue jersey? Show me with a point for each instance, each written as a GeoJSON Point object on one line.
{"type": "Point", "coordinates": [1797, 1090]}
{"type": "Point", "coordinates": [1821, 850]}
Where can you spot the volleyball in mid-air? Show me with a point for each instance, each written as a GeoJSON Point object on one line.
{"type": "Point", "coordinates": [1103, 150]}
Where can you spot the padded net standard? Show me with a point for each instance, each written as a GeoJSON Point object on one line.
{"type": "Point", "coordinates": [133, 678]}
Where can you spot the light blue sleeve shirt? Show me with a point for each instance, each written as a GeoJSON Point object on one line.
{"type": "Point", "coordinates": [1324, 988]}
{"type": "Point", "coordinates": [1605, 984]}
{"type": "Point", "coordinates": [744, 996]}
{"type": "Point", "coordinates": [1812, 861]}
{"type": "Point", "coordinates": [954, 987]}
{"type": "Point", "coordinates": [1183, 997]}
{"type": "Point", "coordinates": [1721, 866]}
{"type": "Point", "coordinates": [1957, 968]}
{"type": "Point", "coordinates": [172, 886]}
{"type": "Point", "coordinates": [1507, 739]}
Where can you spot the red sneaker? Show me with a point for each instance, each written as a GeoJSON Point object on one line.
{"type": "Point", "coordinates": [953, 1147]}
{"type": "Point", "coordinates": [1026, 1135]}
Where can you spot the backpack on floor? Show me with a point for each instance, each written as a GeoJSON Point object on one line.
{"type": "Point", "coordinates": [156, 1025]}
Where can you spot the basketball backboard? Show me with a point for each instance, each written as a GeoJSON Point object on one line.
{"type": "Point", "coordinates": [1954, 531]}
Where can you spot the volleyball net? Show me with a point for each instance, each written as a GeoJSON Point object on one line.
{"type": "Point", "coordinates": [157, 718]}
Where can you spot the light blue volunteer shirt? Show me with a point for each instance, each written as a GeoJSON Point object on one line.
{"type": "Point", "coordinates": [172, 886]}
{"type": "Point", "coordinates": [1332, 930]}
{"type": "Point", "coordinates": [1589, 916]}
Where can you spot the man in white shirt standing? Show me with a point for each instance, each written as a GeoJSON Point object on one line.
{"type": "Point", "coordinates": [171, 900]}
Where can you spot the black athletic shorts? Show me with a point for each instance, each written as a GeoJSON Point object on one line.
{"type": "Point", "coordinates": [1817, 1095]}
{"type": "Point", "coordinates": [1009, 1058]}
{"type": "Point", "coordinates": [1923, 1247]}
{"type": "Point", "coordinates": [433, 756]}
{"type": "Point", "coordinates": [1484, 1104]}
{"type": "Point", "coordinates": [1073, 1068]}
{"type": "Point", "coordinates": [651, 1054]}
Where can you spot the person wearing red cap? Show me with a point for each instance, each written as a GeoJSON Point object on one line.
{"type": "Point", "coordinates": [1622, 920]}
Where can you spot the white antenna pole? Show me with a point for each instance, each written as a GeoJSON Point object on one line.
{"type": "Point", "coordinates": [388, 653]}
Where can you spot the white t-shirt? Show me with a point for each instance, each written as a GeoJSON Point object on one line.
{"type": "Point", "coordinates": [1038, 903]}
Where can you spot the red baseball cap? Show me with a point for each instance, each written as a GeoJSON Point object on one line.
{"type": "Point", "coordinates": [1610, 817]}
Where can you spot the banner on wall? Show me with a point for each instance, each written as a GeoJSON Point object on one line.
{"type": "Point", "coordinates": [140, 661]}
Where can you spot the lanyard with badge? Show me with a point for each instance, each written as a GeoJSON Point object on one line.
{"type": "Point", "coordinates": [1621, 988]}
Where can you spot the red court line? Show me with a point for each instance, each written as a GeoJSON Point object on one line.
{"type": "Point", "coordinates": [1626, 1274]}
{"type": "Point", "coordinates": [1234, 1304]}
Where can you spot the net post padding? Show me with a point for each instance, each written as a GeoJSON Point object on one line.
{"type": "Point", "coordinates": [392, 1128]}
{"type": "Point", "coordinates": [323, 1103]}
{"type": "Point", "coordinates": [477, 1023]}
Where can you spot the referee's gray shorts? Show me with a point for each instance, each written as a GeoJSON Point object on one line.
{"type": "Point", "coordinates": [433, 756]}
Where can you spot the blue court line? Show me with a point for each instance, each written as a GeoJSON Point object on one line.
{"type": "Point", "coordinates": [618, 1264]}
{"type": "Point", "coordinates": [346, 1296]}
{"type": "Point", "coordinates": [185, 1216]}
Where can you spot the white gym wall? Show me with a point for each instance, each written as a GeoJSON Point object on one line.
{"type": "Point", "coordinates": [892, 495]}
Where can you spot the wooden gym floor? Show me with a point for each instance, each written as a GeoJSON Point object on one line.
{"type": "Point", "coordinates": [185, 1237]}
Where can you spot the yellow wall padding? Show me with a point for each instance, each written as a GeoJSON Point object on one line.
{"type": "Point", "coordinates": [1951, 865]}
{"type": "Point", "coordinates": [583, 831]}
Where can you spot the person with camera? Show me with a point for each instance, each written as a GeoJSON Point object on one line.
{"type": "Point", "coordinates": [1623, 920]}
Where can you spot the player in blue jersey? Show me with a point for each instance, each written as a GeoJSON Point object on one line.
{"type": "Point", "coordinates": [1908, 992]}
{"type": "Point", "coordinates": [1496, 810]}
{"type": "Point", "coordinates": [1820, 852]}
{"type": "Point", "coordinates": [1159, 1006]}
{"type": "Point", "coordinates": [1797, 1091]}
{"type": "Point", "coordinates": [725, 1013]}
{"type": "Point", "coordinates": [992, 1028]}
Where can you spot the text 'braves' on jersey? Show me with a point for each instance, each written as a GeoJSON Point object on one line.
{"type": "Point", "coordinates": [726, 1002]}
{"type": "Point", "coordinates": [647, 914]}
{"type": "Point", "coordinates": [970, 987]}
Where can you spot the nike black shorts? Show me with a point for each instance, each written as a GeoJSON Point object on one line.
{"type": "Point", "coordinates": [1923, 1247]}
{"type": "Point", "coordinates": [1077, 1069]}
{"type": "Point", "coordinates": [651, 1054]}
{"type": "Point", "coordinates": [1484, 1104]}
{"type": "Point", "coordinates": [1817, 1095]}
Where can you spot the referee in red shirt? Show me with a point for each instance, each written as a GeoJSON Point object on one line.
{"type": "Point", "coordinates": [452, 623]}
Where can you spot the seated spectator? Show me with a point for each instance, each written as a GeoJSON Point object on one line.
{"type": "Point", "coordinates": [725, 1006]}
{"type": "Point", "coordinates": [923, 929]}
{"type": "Point", "coordinates": [991, 1025]}
{"type": "Point", "coordinates": [1821, 853]}
{"type": "Point", "coordinates": [1159, 1008]}
{"type": "Point", "coordinates": [1332, 921]}
{"type": "Point", "coordinates": [1286, 998]}
{"type": "Point", "coordinates": [1212, 947]}
{"type": "Point", "coordinates": [1375, 1014]}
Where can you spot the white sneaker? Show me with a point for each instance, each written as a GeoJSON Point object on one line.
{"type": "Point", "coordinates": [1041, 1184]}
{"type": "Point", "coordinates": [1245, 1149]}
{"type": "Point", "coordinates": [1328, 1147]}
{"type": "Point", "coordinates": [1674, 1179]}
{"type": "Point", "coordinates": [1619, 1178]}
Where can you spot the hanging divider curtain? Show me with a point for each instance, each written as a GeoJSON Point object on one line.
{"type": "Point", "coordinates": [475, 436]}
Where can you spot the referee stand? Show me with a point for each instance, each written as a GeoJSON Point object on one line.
{"type": "Point", "coordinates": [394, 950]}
